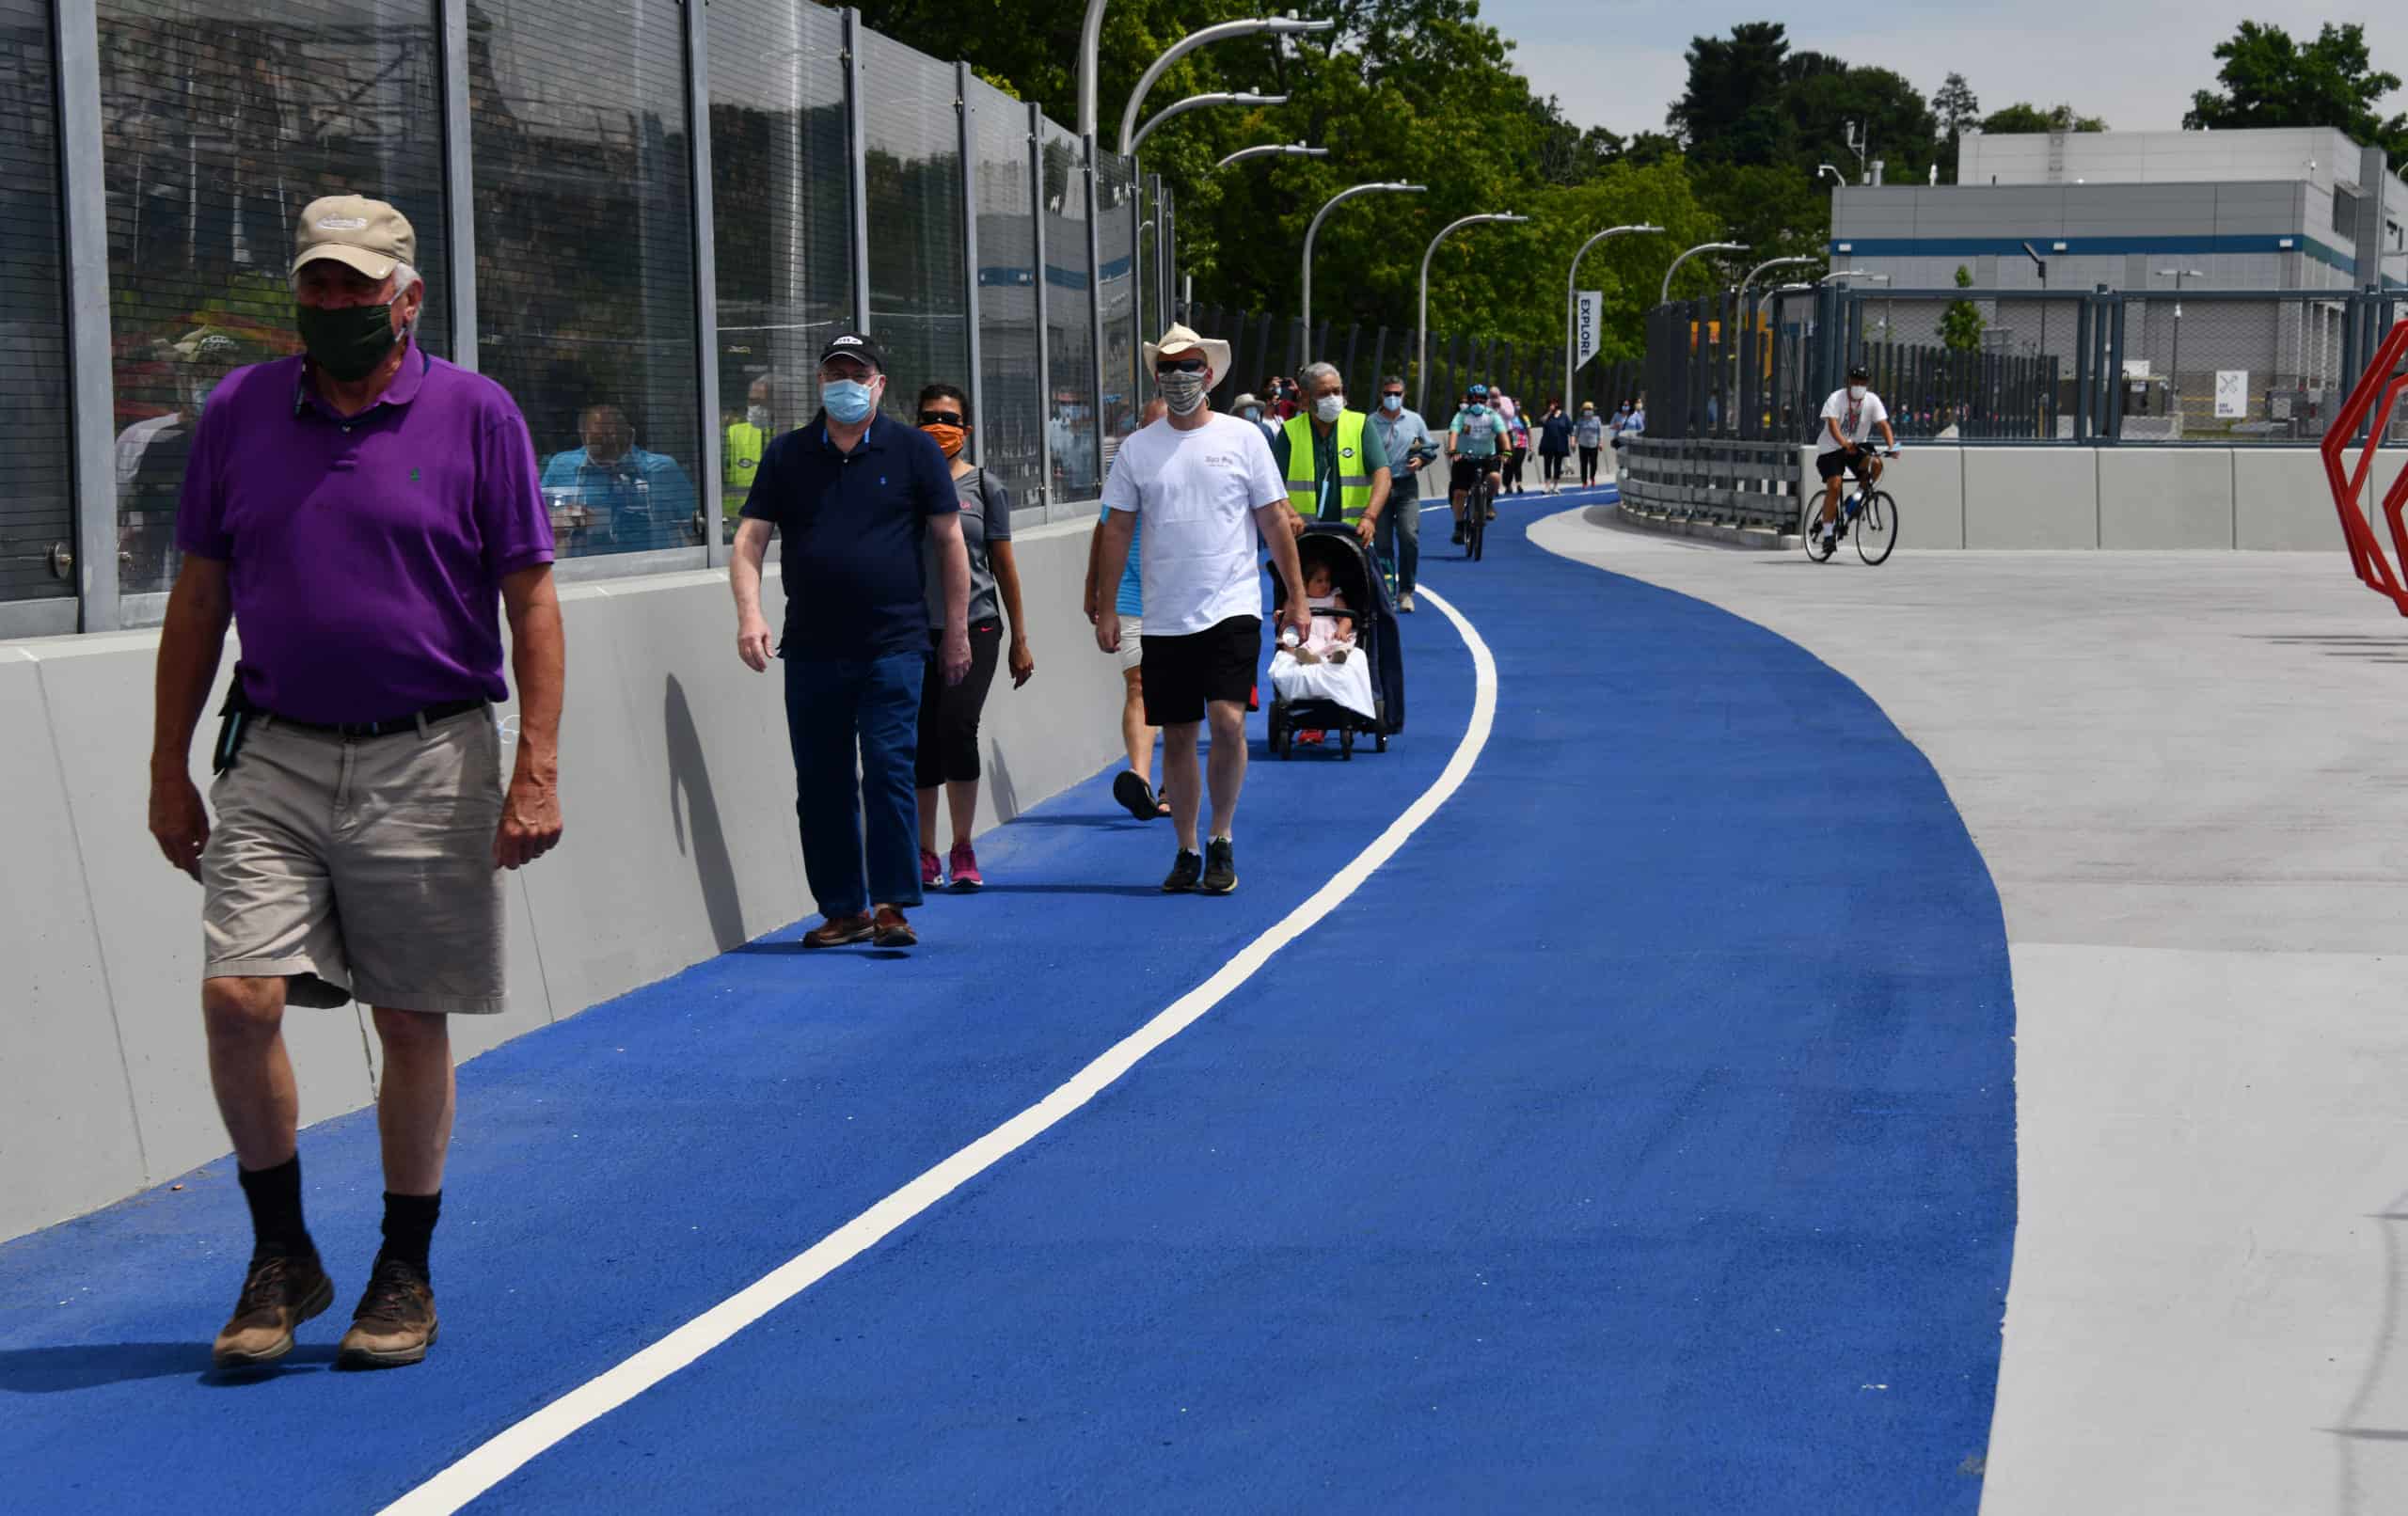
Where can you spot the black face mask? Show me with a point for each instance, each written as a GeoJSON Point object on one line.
{"type": "Point", "coordinates": [347, 342]}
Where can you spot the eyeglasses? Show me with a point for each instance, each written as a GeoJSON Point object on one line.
{"type": "Point", "coordinates": [939, 418]}
{"type": "Point", "coordinates": [1179, 366]}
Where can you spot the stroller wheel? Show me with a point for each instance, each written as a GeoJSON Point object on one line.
{"type": "Point", "coordinates": [1380, 742]}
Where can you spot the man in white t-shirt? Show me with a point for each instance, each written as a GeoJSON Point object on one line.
{"type": "Point", "coordinates": [1205, 485]}
{"type": "Point", "coordinates": [1848, 416]}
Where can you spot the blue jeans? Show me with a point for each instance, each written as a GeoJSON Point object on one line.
{"type": "Point", "coordinates": [1398, 536]}
{"type": "Point", "coordinates": [834, 706]}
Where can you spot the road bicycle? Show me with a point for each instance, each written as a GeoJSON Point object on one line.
{"type": "Point", "coordinates": [1477, 506]}
{"type": "Point", "coordinates": [1869, 512]}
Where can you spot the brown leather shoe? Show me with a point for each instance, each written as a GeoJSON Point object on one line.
{"type": "Point", "coordinates": [396, 1321]}
{"type": "Point", "coordinates": [281, 1291]}
{"type": "Point", "coordinates": [893, 930]}
{"type": "Point", "coordinates": [839, 931]}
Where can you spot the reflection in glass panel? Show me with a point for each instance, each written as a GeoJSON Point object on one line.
{"type": "Point", "coordinates": [780, 188]}
{"type": "Point", "coordinates": [585, 259]}
{"type": "Point", "coordinates": [1070, 338]}
{"type": "Point", "coordinates": [1116, 193]}
{"type": "Point", "coordinates": [918, 292]}
{"type": "Point", "coordinates": [220, 123]}
{"type": "Point", "coordinates": [1013, 411]}
{"type": "Point", "coordinates": [36, 488]}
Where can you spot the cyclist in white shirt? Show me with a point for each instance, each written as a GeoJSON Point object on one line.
{"type": "Point", "coordinates": [1848, 416]}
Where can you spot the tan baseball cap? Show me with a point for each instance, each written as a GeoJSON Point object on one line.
{"type": "Point", "coordinates": [352, 230]}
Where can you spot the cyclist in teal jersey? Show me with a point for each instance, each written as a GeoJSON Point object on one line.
{"type": "Point", "coordinates": [1475, 438]}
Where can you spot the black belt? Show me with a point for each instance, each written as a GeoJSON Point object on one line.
{"type": "Point", "coordinates": [412, 722]}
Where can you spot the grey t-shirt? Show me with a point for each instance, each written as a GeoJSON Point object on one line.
{"type": "Point", "coordinates": [986, 518]}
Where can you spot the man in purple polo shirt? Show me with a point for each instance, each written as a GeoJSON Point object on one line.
{"type": "Point", "coordinates": [357, 513]}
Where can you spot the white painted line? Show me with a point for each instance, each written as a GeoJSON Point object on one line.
{"type": "Point", "coordinates": [511, 1449]}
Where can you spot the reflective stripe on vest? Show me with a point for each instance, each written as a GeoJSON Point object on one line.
{"type": "Point", "coordinates": [1303, 489]}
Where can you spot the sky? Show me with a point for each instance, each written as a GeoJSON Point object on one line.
{"type": "Point", "coordinates": [1618, 63]}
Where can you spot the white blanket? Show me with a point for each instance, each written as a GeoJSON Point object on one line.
{"type": "Point", "coordinates": [1348, 684]}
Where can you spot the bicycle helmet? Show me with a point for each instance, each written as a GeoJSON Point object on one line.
{"type": "Point", "coordinates": [1858, 374]}
{"type": "Point", "coordinates": [1480, 391]}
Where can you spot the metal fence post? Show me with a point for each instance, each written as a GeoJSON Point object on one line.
{"type": "Point", "coordinates": [459, 188]}
{"type": "Point", "coordinates": [697, 142]}
{"type": "Point", "coordinates": [94, 383]}
{"type": "Point", "coordinates": [857, 165]}
{"type": "Point", "coordinates": [977, 376]}
{"type": "Point", "coordinates": [1094, 313]}
{"type": "Point", "coordinates": [1044, 317]}
{"type": "Point", "coordinates": [2111, 369]}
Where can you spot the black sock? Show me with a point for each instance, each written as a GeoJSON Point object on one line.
{"type": "Point", "coordinates": [275, 1197]}
{"type": "Point", "coordinates": [409, 1228]}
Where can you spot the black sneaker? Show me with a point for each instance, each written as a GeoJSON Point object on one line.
{"type": "Point", "coordinates": [1458, 538]}
{"type": "Point", "coordinates": [1184, 872]}
{"type": "Point", "coordinates": [1220, 866]}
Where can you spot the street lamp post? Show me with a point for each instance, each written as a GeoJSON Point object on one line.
{"type": "Point", "coordinates": [1313, 230]}
{"type": "Point", "coordinates": [1666, 293]}
{"type": "Point", "coordinates": [2174, 366]}
{"type": "Point", "coordinates": [1276, 26]}
{"type": "Point", "coordinates": [1572, 297]}
{"type": "Point", "coordinates": [1742, 368]}
{"type": "Point", "coordinates": [1182, 107]}
{"type": "Point", "coordinates": [1421, 323]}
{"type": "Point", "coordinates": [1272, 149]}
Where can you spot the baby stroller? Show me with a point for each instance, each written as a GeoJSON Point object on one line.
{"type": "Point", "coordinates": [1355, 576]}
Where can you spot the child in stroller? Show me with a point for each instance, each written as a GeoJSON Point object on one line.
{"type": "Point", "coordinates": [1336, 679]}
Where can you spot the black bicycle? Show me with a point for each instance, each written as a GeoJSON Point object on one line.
{"type": "Point", "coordinates": [1478, 506]}
{"type": "Point", "coordinates": [1870, 514]}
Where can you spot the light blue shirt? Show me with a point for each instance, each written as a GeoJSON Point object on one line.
{"type": "Point", "coordinates": [1131, 599]}
{"type": "Point", "coordinates": [1401, 434]}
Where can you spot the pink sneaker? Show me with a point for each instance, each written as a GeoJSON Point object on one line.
{"type": "Point", "coordinates": [931, 871]}
{"type": "Point", "coordinates": [964, 865]}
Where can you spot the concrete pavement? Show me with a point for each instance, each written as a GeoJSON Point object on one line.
{"type": "Point", "coordinates": [2184, 771]}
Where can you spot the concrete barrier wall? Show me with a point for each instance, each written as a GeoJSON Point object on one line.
{"type": "Point", "coordinates": [679, 793]}
{"type": "Point", "coordinates": [2128, 498]}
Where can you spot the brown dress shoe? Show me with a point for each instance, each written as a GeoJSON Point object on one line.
{"type": "Point", "coordinates": [281, 1291]}
{"type": "Point", "coordinates": [893, 930]}
{"type": "Point", "coordinates": [396, 1321]}
{"type": "Point", "coordinates": [839, 931]}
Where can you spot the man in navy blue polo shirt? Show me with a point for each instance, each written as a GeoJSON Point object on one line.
{"type": "Point", "coordinates": [856, 495]}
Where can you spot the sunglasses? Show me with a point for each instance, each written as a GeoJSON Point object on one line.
{"type": "Point", "coordinates": [939, 418]}
{"type": "Point", "coordinates": [1180, 366]}
{"type": "Point", "coordinates": [1391, 394]}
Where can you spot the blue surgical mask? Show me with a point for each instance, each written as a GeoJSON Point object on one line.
{"type": "Point", "coordinates": [1392, 403]}
{"type": "Point", "coordinates": [1476, 408]}
{"type": "Point", "coordinates": [1254, 412]}
{"type": "Point", "coordinates": [848, 401]}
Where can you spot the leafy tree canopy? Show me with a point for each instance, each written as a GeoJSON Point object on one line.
{"type": "Point", "coordinates": [2270, 80]}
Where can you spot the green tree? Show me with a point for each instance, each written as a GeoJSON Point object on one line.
{"type": "Point", "coordinates": [1957, 108]}
{"type": "Point", "coordinates": [2270, 80]}
{"type": "Point", "coordinates": [1731, 109]}
{"type": "Point", "coordinates": [1961, 323]}
{"type": "Point", "coordinates": [2025, 117]}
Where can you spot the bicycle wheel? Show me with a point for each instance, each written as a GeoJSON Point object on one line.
{"type": "Point", "coordinates": [1815, 550]}
{"type": "Point", "coordinates": [1477, 517]}
{"type": "Point", "coordinates": [1877, 527]}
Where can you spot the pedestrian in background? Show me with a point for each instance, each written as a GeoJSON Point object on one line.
{"type": "Point", "coordinates": [1132, 787]}
{"type": "Point", "coordinates": [1555, 444]}
{"type": "Point", "coordinates": [1405, 436]}
{"type": "Point", "coordinates": [360, 514]}
{"type": "Point", "coordinates": [948, 762]}
{"type": "Point", "coordinates": [857, 497]}
{"type": "Point", "coordinates": [1589, 435]}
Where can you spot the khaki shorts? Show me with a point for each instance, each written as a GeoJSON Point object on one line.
{"type": "Point", "coordinates": [1132, 642]}
{"type": "Point", "coordinates": [360, 868]}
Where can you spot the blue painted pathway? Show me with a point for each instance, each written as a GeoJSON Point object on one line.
{"type": "Point", "coordinates": [1641, 1137]}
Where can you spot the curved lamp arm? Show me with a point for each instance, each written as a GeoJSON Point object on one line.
{"type": "Point", "coordinates": [1314, 231]}
{"type": "Point", "coordinates": [1421, 323]}
{"type": "Point", "coordinates": [1272, 149]}
{"type": "Point", "coordinates": [1192, 102]}
{"type": "Point", "coordinates": [1666, 294]}
{"type": "Point", "coordinates": [1276, 26]}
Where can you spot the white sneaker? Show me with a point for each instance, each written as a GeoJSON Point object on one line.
{"type": "Point", "coordinates": [1404, 603]}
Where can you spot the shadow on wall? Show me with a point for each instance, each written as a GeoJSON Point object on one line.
{"type": "Point", "coordinates": [999, 785]}
{"type": "Point", "coordinates": [700, 836]}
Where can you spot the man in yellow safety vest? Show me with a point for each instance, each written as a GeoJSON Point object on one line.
{"type": "Point", "coordinates": [1334, 466]}
{"type": "Point", "coordinates": [741, 457]}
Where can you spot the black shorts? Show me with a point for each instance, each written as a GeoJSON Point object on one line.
{"type": "Point", "coordinates": [1467, 472]}
{"type": "Point", "coordinates": [1829, 464]}
{"type": "Point", "coordinates": [1182, 673]}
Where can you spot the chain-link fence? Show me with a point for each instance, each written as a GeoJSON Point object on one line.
{"type": "Point", "coordinates": [644, 220]}
{"type": "Point", "coordinates": [2202, 366]}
